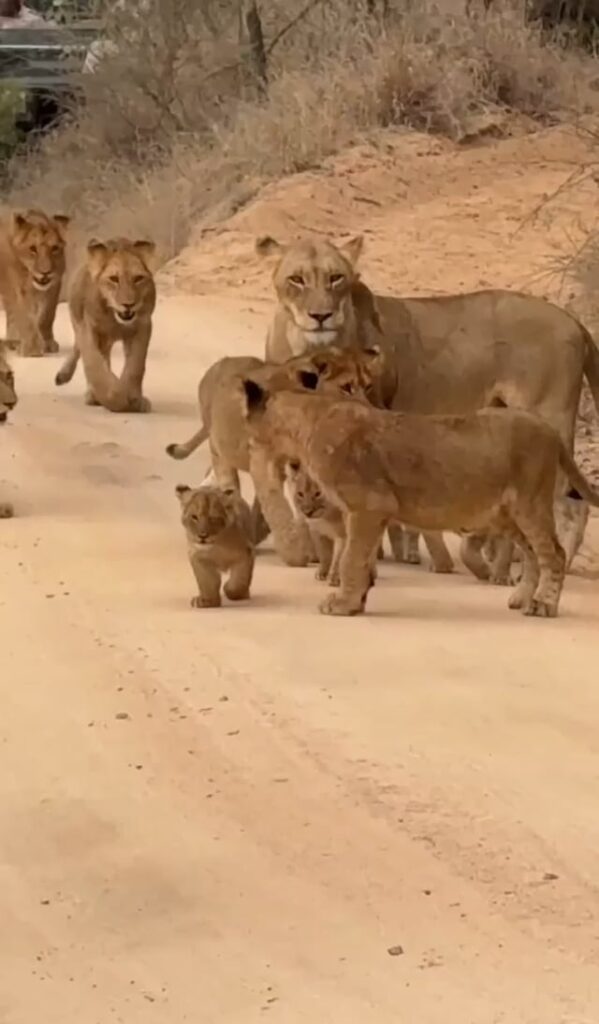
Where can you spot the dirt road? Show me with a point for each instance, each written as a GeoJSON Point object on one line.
{"type": "Point", "coordinates": [232, 816]}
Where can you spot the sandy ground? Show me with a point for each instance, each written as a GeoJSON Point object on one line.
{"type": "Point", "coordinates": [234, 815]}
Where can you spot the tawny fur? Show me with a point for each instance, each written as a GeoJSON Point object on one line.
{"type": "Point", "coordinates": [32, 266]}
{"type": "Point", "coordinates": [112, 299]}
{"type": "Point", "coordinates": [490, 472]}
{"type": "Point", "coordinates": [220, 396]}
{"type": "Point", "coordinates": [217, 527]}
{"type": "Point", "coordinates": [8, 400]}
{"type": "Point", "coordinates": [326, 524]}
{"type": "Point", "coordinates": [452, 354]}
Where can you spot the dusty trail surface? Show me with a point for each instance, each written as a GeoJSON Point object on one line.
{"type": "Point", "coordinates": [230, 816]}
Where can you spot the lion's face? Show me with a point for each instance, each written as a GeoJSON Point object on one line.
{"type": "Point", "coordinates": [8, 395]}
{"type": "Point", "coordinates": [205, 512]}
{"type": "Point", "coordinates": [39, 244]}
{"type": "Point", "coordinates": [121, 270]}
{"type": "Point", "coordinates": [307, 496]}
{"type": "Point", "coordinates": [336, 371]}
{"type": "Point", "coordinates": [313, 281]}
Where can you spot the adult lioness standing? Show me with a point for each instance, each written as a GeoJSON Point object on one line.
{"type": "Point", "coordinates": [112, 299]}
{"type": "Point", "coordinates": [452, 354]}
{"type": "Point", "coordinates": [32, 265]}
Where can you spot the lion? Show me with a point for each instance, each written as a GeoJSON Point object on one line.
{"type": "Point", "coordinates": [8, 400]}
{"type": "Point", "coordinates": [217, 526]}
{"type": "Point", "coordinates": [220, 399]}
{"type": "Point", "coordinates": [446, 355]}
{"type": "Point", "coordinates": [324, 520]}
{"type": "Point", "coordinates": [32, 266]}
{"type": "Point", "coordinates": [327, 526]}
{"type": "Point", "coordinates": [491, 472]}
{"type": "Point", "coordinates": [112, 299]}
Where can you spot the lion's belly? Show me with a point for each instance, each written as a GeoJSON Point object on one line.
{"type": "Point", "coordinates": [462, 353]}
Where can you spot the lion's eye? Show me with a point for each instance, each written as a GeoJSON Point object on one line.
{"type": "Point", "coordinates": [348, 388]}
{"type": "Point", "coordinates": [33, 250]}
{"type": "Point", "coordinates": [297, 280]}
{"type": "Point", "coordinates": [55, 250]}
{"type": "Point", "coordinates": [336, 279]}
{"type": "Point", "coordinates": [114, 279]}
{"type": "Point", "coordinates": [139, 279]}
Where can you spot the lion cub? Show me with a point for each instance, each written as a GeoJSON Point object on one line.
{"type": "Point", "coordinates": [218, 529]}
{"type": "Point", "coordinates": [325, 522]}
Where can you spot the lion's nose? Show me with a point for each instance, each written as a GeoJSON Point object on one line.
{"type": "Point", "coordinates": [321, 318]}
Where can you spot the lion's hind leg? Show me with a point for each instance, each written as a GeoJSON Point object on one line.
{"type": "Point", "coordinates": [540, 538]}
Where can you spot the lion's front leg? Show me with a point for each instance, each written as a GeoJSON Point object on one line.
{"type": "Point", "coordinates": [208, 579]}
{"type": "Point", "coordinates": [268, 484]}
{"type": "Point", "coordinates": [237, 587]}
{"type": "Point", "coordinates": [46, 320]}
{"type": "Point", "coordinates": [103, 386]}
{"type": "Point", "coordinates": [132, 377]}
{"type": "Point", "coordinates": [22, 329]}
{"type": "Point", "coordinates": [364, 532]}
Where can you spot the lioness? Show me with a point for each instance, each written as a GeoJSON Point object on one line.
{"type": "Point", "coordinates": [217, 526]}
{"type": "Point", "coordinates": [493, 471]}
{"type": "Point", "coordinates": [32, 265]}
{"type": "Point", "coordinates": [223, 425]}
{"type": "Point", "coordinates": [452, 354]}
{"type": "Point", "coordinates": [112, 299]}
{"type": "Point", "coordinates": [8, 400]}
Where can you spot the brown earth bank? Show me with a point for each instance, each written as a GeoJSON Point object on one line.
{"type": "Point", "coordinates": [258, 812]}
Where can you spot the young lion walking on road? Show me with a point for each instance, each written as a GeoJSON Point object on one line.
{"type": "Point", "coordinates": [112, 299]}
{"type": "Point", "coordinates": [32, 265]}
{"type": "Point", "coordinates": [492, 471]}
{"type": "Point", "coordinates": [217, 525]}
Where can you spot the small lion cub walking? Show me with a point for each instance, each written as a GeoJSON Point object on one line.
{"type": "Point", "coordinates": [324, 521]}
{"type": "Point", "coordinates": [218, 528]}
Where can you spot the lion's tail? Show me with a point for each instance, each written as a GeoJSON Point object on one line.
{"type": "Point", "coordinates": [578, 481]}
{"type": "Point", "coordinates": [591, 366]}
{"type": "Point", "coordinates": [181, 451]}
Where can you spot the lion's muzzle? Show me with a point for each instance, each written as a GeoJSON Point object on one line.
{"type": "Point", "coordinates": [43, 281]}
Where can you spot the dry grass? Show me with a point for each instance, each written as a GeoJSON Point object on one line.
{"type": "Point", "coordinates": [177, 129]}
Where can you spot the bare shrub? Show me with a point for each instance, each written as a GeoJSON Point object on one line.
{"type": "Point", "coordinates": [176, 125]}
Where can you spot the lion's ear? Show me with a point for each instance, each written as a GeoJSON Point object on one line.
{"type": "Point", "coordinates": [19, 221]}
{"type": "Point", "coordinates": [321, 365]}
{"type": "Point", "coordinates": [268, 247]}
{"type": "Point", "coordinates": [353, 249]}
{"type": "Point", "coordinates": [255, 395]}
{"type": "Point", "coordinates": [96, 254]}
{"type": "Point", "coordinates": [308, 379]}
{"type": "Point", "coordinates": [145, 249]}
{"type": "Point", "coordinates": [372, 354]}
{"type": "Point", "coordinates": [183, 492]}
{"type": "Point", "coordinates": [62, 222]}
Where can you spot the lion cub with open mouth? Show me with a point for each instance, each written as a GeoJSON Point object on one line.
{"type": "Point", "coordinates": [218, 529]}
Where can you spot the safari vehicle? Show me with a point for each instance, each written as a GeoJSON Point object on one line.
{"type": "Point", "coordinates": [42, 57]}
